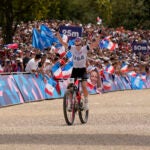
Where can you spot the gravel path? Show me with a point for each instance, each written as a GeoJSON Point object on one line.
{"type": "Point", "coordinates": [117, 121]}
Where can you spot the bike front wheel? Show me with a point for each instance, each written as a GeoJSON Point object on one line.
{"type": "Point", "coordinates": [83, 115]}
{"type": "Point", "coordinates": [69, 115]}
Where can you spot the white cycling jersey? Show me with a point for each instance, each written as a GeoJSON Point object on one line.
{"type": "Point", "coordinates": [79, 56]}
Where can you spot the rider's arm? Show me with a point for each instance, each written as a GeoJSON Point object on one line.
{"type": "Point", "coordinates": [61, 40]}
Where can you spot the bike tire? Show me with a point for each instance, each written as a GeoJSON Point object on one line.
{"type": "Point", "coordinates": [83, 116]}
{"type": "Point", "coordinates": [69, 119]}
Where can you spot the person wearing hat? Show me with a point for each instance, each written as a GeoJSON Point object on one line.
{"type": "Point", "coordinates": [32, 65]}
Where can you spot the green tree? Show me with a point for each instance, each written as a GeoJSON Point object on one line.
{"type": "Point", "coordinates": [84, 11]}
{"type": "Point", "coordinates": [130, 13]}
{"type": "Point", "coordinates": [14, 11]}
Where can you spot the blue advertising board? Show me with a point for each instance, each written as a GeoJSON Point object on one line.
{"type": "Point", "coordinates": [9, 92]}
{"type": "Point", "coordinates": [140, 47]}
{"type": "Point", "coordinates": [71, 31]}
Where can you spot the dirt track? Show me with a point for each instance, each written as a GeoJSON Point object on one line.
{"type": "Point", "coordinates": [117, 121]}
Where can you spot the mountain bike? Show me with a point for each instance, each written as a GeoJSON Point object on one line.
{"type": "Point", "coordinates": [73, 97]}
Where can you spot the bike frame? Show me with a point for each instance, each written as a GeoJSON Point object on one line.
{"type": "Point", "coordinates": [77, 90]}
{"type": "Point", "coordinates": [78, 93]}
{"type": "Point", "coordinates": [76, 102]}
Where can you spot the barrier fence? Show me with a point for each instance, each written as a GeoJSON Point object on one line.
{"type": "Point", "coordinates": [18, 88]}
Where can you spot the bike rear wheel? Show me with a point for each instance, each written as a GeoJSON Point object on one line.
{"type": "Point", "coordinates": [69, 115]}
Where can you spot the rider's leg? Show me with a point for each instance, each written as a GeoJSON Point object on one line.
{"type": "Point", "coordinates": [85, 93]}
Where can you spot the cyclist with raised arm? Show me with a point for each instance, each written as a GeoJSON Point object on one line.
{"type": "Point", "coordinates": [79, 53]}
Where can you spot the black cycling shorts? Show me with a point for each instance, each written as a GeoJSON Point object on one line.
{"type": "Point", "coordinates": [79, 73]}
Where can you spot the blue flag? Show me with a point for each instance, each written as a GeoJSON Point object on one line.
{"type": "Point", "coordinates": [46, 32]}
{"type": "Point", "coordinates": [39, 41]}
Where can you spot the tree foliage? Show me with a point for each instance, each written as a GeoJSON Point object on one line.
{"type": "Point", "coordinates": [114, 13]}
{"type": "Point", "coordinates": [14, 11]}
{"type": "Point", "coordinates": [131, 13]}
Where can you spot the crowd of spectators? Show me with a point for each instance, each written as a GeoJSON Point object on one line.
{"type": "Point", "coordinates": [15, 60]}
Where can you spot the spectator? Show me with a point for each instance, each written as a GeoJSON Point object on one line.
{"type": "Point", "coordinates": [18, 65]}
{"type": "Point", "coordinates": [47, 66]}
{"type": "Point", "coordinates": [32, 65]}
{"type": "Point", "coordinates": [8, 66]}
{"type": "Point", "coordinates": [92, 34]}
{"type": "Point", "coordinates": [26, 58]}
